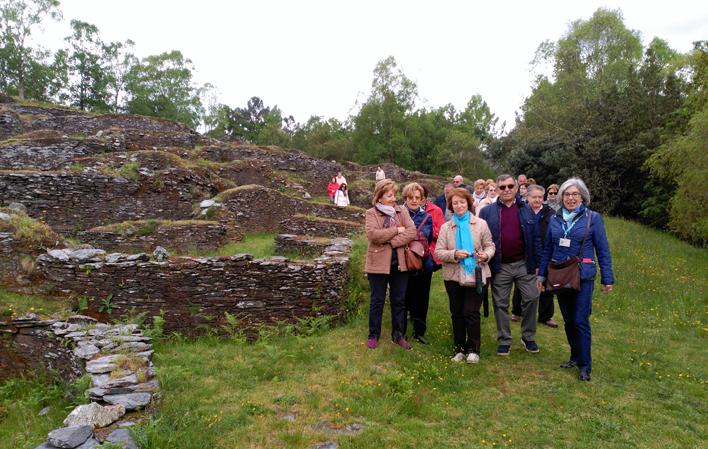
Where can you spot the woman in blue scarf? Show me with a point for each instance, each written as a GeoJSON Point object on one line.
{"type": "Point", "coordinates": [575, 230]}
{"type": "Point", "coordinates": [464, 242]}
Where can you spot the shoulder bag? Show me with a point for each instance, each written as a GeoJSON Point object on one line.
{"type": "Point", "coordinates": [565, 276]}
{"type": "Point", "coordinates": [417, 249]}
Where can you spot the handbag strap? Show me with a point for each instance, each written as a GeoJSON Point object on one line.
{"type": "Point", "coordinates": [587, 230]}
{"type": "Point", "coordinates": [422, 222]}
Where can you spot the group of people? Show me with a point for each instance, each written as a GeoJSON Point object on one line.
{"type": "Point", "coordinates": [337, 190]}
{"type": "Point", "coordinates": [487, 237]}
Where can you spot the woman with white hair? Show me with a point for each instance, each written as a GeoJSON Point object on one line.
{"type": "Point", "coordinates": [577, 231]}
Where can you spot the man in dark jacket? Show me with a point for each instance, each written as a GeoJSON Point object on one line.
{"type": "Point", "coordinates": [441, 201]}
{"type": "Point", "coordinates": [543, 213]}
{"type": "Point", "coordinates": [516, 235]}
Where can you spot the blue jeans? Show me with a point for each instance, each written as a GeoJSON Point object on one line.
{"type": "Point", "coordinates": [379, 283]}
{"type": "Point", "coordinates": [576, 308]}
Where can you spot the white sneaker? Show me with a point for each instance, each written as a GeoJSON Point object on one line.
{"type": "Point", "coordinates": [472, 357]}
{"type": "Point", "coordinates": [458, 357]}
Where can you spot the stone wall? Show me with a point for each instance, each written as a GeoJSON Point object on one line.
{"type": "Point", "coordinates": [53, 151]}
{"type": "Point", "coordinates": [30, 347]}
{"type": "Point", "coordinates": [300, 224]}
{"type": "Point", "coordinates": [257, 208]}
{"type": "Point", "coordinates": [17, 265]}
{"type": "Point", "coordinates": [71, 202]}
{"type": "Point", "coordinates": [300, 246]}
{"type": "Point", "coordinates": [139, 132]}
{"type": "Point", "coordinates": [118, 359]}
{"type": "Point", "coordinates": [198, 291]}
{"type": "Point", "coordinates": [176, 236]}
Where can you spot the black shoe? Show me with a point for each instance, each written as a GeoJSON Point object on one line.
{"type": "Point", "coordinates": [569, 364]}
{"type": "Point", "coordinates": [422, 340]}
{"type": "Point", "coordinates": [584, 376]}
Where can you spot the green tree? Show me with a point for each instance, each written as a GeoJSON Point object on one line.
{"type": "Point", "coordinates": [325, 139]}
{"type": "Point", "coordinates": [599, 115]}
{"type": "Point", "coordinates": [89, 81]}
{"type": "Point", "coordinates": [161, 86]}
{"type": "Point", "coordinates": [20, 64]}
{"type": "Point", "coordinates": [380, 128]}
{"type": "Point", "coordinates": [118, 60]}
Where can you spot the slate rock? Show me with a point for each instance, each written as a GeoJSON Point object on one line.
{"type": "Point", "coordinates": [4, 216]}
{"type": "Point", "coordinates": [69, 437]}
{"type": "Point", "coordinates": [60, 254]}
{"type": "Point", "coordinates": [94, 415]}
{"type": "Point", "coordinates": [18, 207]}
{"type": "Point", "coordinates": [44, 411]}
{"type": "Point", "coordinates": [85, 255]}
{"type": "Point", "coordinates": [90, 443]}
{"type": "Point", "coordinates": [160, 254]}
{"type": "Point", "coordinates": [206, 204]}
{"type": "Point", "coordinates": [86, 351]}
{"type": "Point", "coordinates": [131, 401]}
{"type": "Point", "coordinates": [122, 437]}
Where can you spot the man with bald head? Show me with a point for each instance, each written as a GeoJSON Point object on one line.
{"type": "Point", "coordinates": [459, 182]}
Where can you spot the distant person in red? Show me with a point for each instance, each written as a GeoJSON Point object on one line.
{"type": "Point", "coordinates": [332, 188]}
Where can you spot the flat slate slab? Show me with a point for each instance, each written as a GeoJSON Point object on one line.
{"type": "Point", "coordinates": [69, 437]}
{"type": "Point", "coordinates": [131, 401]}
{"type": "Point", "coordinates": [122, 437]}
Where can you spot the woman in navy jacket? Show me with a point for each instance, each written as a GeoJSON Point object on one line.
{"type": "Point", "coordinates": [567, 230]}
{"type": "Point", "coordinates": [418, 290]}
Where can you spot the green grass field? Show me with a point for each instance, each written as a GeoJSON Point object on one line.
{"type": "Point", "coordinates": [648, 388]}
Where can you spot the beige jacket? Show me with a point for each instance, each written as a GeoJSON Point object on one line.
{"type": "Point", "coordinates": [383, 240]}
{"type": "Point", "coordinates": [445, 248]}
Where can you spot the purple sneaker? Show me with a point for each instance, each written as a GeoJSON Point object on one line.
{"type": "Point", "coordinates": [372, 343]}
{"type": "Point", "coordinates": [402, 342]}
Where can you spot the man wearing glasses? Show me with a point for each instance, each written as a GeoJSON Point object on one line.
{"type": "Point", "coordinates": [516, 235]}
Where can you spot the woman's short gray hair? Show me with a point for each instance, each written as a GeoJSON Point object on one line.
{"type": "Point", "coordinates": [577, 182]}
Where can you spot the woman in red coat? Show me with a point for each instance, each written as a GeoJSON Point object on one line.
{"type": "Point", "coordinates": [332, 188]}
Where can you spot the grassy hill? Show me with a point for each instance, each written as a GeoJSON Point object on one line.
{"type": "Point", "coordinates": [648, 388]}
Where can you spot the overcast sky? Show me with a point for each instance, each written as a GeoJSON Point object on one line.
{"type": "Point", "coordinates": [317, 57]}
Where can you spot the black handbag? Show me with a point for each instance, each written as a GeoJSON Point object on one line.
{"type": "Point", "coordinates": [565, 276]}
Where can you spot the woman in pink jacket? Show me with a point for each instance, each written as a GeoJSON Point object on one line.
{"type": "Point", "coordinates": [389, 229]}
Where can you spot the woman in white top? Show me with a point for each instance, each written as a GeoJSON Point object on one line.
{"type": "Point", "coordinates": [341, 198]}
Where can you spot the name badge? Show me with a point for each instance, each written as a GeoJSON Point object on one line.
{"type": "Point", "coordinates": [564, 242]}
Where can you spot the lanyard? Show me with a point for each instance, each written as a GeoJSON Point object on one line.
{"type": "Point", "coordinates": [567, 228]}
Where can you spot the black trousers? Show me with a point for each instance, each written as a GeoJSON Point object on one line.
{"type": "Point", "coordinates": [464, 311]}
{"type": "Point", "coordinates": [545, 305]}
{"type": "Point", "coordinates": [417, 300]}
{"type": "Point", "coordinates": [379, 283]}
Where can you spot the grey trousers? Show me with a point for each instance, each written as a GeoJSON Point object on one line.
{"type": "Point", "coordinates": [502, 282]}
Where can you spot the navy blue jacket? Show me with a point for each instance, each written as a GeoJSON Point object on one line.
{"type": "Point", "coordinates": [441, 202]}
{"type": "Point", "coordinates": [595, 243]}
{"type": "Point", "coordinates": [529, 230]}
{"type": "Point", "coordinates": [427, 230]}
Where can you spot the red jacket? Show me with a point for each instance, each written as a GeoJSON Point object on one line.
{"type": "Point", "coordinates": [332, 188]}
{"type": "Point", "coordinates": [438, 219]}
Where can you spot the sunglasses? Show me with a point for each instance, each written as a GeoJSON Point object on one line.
{"type": "Point", "coordinates": [503, 187]}
{"type": "Point", "coordinates": [553, 193]}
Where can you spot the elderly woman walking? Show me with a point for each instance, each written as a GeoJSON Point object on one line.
{"type": "Point", "coordinates": [464, 242]}
{"type": "Point", "coordinates": [389, 229]}
{"type": "Point", "coordinates": [577, 231]}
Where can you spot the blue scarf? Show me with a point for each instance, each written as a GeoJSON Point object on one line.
{"type": "Point", "coordinates": [463, 240]}
{"type": "Point", "coordinates": [569, 217]}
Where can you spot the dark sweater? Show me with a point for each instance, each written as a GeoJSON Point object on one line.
{"type": "Point", "coordinates": [512, 239]}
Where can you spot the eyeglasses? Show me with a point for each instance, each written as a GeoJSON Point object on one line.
{"type": "Point", "coordinates": [571, 195]}
{"type": "Point", "coordinates": [553, 193]}
{"type": "Point", "coordinates": [505, 186]}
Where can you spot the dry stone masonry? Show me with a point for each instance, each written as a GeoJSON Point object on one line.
{"type": "Point", "coordinates": [117, 357]}
{"type": "Point", "coordinates": [194, 291]}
